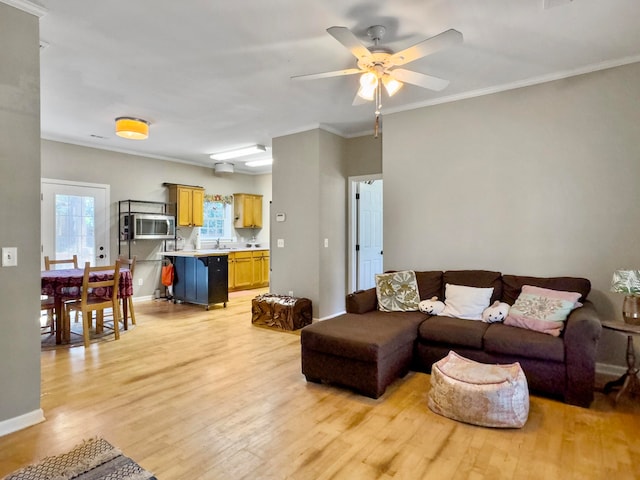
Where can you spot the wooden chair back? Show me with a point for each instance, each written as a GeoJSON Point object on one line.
{"type": "Point", "coordinates": [130, 263]}
{"type": "Point", "coordinates": [89, 301]}
{"type": "Point", "coordinates": [71, 262]}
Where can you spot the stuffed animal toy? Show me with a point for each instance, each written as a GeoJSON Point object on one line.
{"type": "Point", "coordinates": [432, 307]}
{"type": "Point", "coordinates": [496, 312]}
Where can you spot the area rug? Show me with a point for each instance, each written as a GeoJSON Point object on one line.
{"type": "Point", "coordinates": [94, 459]}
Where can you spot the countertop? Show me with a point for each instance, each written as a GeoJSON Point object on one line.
{"type": "Point", "coordinates": [209, 252]}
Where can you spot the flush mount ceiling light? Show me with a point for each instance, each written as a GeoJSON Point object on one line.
{"type": "Point", "coordinates": [223, 168]}
{"type": "Point", "coordinates": [132, 128]}
{"type": "Point", "coordinates": [238, 152]}
{"type": "Point", "coordinates": [260, 163]}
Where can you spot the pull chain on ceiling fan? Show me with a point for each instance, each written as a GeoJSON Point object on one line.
{"type": "Point", "coordinates": [376, 65]}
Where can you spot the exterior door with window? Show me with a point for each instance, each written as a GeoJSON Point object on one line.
{"type": "Point", "coordinates": [74, 221]}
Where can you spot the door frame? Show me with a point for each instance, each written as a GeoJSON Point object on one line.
{"type": "Point", "coordinates": [107, 208]}
{"type": "Point", "coordinates": [352, 258]}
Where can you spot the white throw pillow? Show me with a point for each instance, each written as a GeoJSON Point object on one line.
{"type": "Point", "coordinates": [465, 302]}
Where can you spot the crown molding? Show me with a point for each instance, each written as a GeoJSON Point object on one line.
{"type": "Point", "coordinates": [27, 6]}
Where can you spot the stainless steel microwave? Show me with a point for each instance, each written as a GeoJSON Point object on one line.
{"type": "Point", "coordinates": [149, 226]}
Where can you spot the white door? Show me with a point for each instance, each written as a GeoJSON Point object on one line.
{"type": "Point", "coordinates": [369, 233]}
{"type": "Point", "coordinates": [74, 220]}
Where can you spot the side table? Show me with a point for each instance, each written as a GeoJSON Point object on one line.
{"type": "Point", "coordinates": [629, 381]}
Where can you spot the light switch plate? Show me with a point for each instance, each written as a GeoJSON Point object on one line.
{"type": "Point", "coordinates": [281, 243]}
{"type": "Point", "coordinates": [9, 256]}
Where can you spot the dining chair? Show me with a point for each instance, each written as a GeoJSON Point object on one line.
{"type": "Point", "coordinates": [90, 300]}
{"type": "Point", "coordinates": [47, 303]}
{"type": "Point", "coordinates": [67, 261]}
{"type": "Point", "coordinates": [131, 264]}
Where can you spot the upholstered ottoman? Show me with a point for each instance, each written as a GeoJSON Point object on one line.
{"type": "Point", "coordinates": [478, 393]}
{"type": "Point", "coordinates": [365, 353]}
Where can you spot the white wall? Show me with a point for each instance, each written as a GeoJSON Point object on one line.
{"type": "Point", "coordinates": [141, 178]}
{"type": "Point", "coordinates": [539, 181]}
{"type": "Point", "coordinates": [20, 219]}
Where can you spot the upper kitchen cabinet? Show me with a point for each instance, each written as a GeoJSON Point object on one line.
{"type": "Point", "coordinates": [247, 209]}
{"type": "Point", "coordinates": [189, 202]}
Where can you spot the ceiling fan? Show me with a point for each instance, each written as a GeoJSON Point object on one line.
{"type": "Point", "coordinates": [377, 64]}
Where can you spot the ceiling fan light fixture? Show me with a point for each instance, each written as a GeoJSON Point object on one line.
{"type": "Point", "coordinates": [391, 85]}
{"type": "Point", "coordinates": [368, 85]}
{"type": "Point", "coordinates": [132, 128]}
{"type": "Point", "coordinates": [238, 152]}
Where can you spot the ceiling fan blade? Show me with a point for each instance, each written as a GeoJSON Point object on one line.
{"type": "Point", "coordinates": [350, 41]}
{"type": "Point", "coordinates": [419, 79]}
{"type": "Point", "coordinates": [336, 73]}
{"type": "Point", "coordinates": [427, 47]}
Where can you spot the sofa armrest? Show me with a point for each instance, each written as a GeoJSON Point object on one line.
{"type": "Point", "coordinates": [581, 336]}
{"type": "Point", "coordinates": [362, 301]}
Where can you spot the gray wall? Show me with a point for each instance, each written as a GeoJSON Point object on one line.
{"type": "Point", "coordinates": [310, 173]}
{"type": "Point", "coordinates": [19, 206]}
{"type": "Point", "coordinates": [141, 178]}
{"type": "Point", "coordinates": [540, 181]}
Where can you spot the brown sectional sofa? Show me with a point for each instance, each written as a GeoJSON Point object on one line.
{"type": "Point", "coordinates": [367, 349]}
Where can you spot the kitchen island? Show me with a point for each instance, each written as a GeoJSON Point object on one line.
{"type": "Point", "coordinates": [200, 277]}
{"type": "Point", "coordinates": [247, 268]}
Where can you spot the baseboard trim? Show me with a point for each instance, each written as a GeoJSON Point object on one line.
{"type": "Point", "coordinates": [22, 421]}
{"type": "Point", "coordinates": [610, 370]}
{"type": "Point", "coordinates": [328, 317]}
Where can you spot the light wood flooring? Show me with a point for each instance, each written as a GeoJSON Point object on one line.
{"type": "Point", "coordinates": [195, 394]}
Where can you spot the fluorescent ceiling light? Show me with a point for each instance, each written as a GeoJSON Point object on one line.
{"type": "Point", "coordinates": [260, 163]}
{"type": "Point", "coordinates": [238, 152]}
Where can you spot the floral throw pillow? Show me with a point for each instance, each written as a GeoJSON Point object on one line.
{"type": "Point", "coordinates": [542, 309]}
{"type": "Point", "coordinates": [397, 291]}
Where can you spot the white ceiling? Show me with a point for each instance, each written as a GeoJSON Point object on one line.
{"type": "Point", "coordinates": [212, 75]}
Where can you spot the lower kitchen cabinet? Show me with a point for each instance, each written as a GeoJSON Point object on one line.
{"type": "Point", "coordinates": [201, 280]}
{"type": "Point", "coordinates": [249, 269]}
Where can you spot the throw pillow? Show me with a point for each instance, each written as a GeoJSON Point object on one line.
{"type": "Point", "coordinates": [397, 291]}
{"type": "Point", "coordinates": [542, 309]}
{"type": "Point", "coordinates": [465, 302]}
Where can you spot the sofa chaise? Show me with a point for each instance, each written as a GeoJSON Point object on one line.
{"type": "Point", "coordinates": [366, 349]}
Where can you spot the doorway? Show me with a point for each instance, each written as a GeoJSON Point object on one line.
{"type": "Point", "coordinates": [74, 220]}
{"type": "Point", "coordinates": [365, 231]}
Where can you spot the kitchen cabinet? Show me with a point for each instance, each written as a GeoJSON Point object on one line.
{"type": "Point", "coordinates": [247, 209]}
{"type": "Point", "coordinates": [261, 268]}
{"type": "Point", "coordinates": [201, 280]}
{"type": "Point", "coordinates": [248, 269]}
{"type": "Point", "coordinates": [243, 274]}
{"type": "Point", "coordinates": [189, 201]}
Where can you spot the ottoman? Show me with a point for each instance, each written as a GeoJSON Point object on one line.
{"type": "Point", "coordinates": [364, 353]}
{"type": "Point", "coordinates": [281, 311]}
{"type": "Point", "coordinates": [478, 393]}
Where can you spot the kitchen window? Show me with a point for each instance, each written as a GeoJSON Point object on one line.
{"type": "Point", "coordinates": [218, 218]}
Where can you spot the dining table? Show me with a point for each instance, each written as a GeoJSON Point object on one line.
{"type": "Point", "coordinates": [65, 284]}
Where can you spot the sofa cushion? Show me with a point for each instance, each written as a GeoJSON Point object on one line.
{"type": "Point", "coordinates": [397, 291]}
{"type": "Point", "coordinates": [512, 285]}
{"type": "Point", "coordinates": [453, 331]}
{"type": "Point", "coordinates": [363, 337]}
{"type": "Point", "coordinates": [476, 278]}
{"type": "Point", "coordinates": [429, 284]}
{"type": "Point", "coordinates": [518, 342]}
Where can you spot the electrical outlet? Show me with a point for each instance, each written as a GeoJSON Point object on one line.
{"type": "Point", "coordinates": [140, 282]}
{"type": "Point", "coordinates": [9, 256]}
{"type": "Point", "coordinates": [281, 243]}
{"type": "Point", "coordinates": [291, 293]}
{"type": "Point", "coordinates": [326, 243]}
